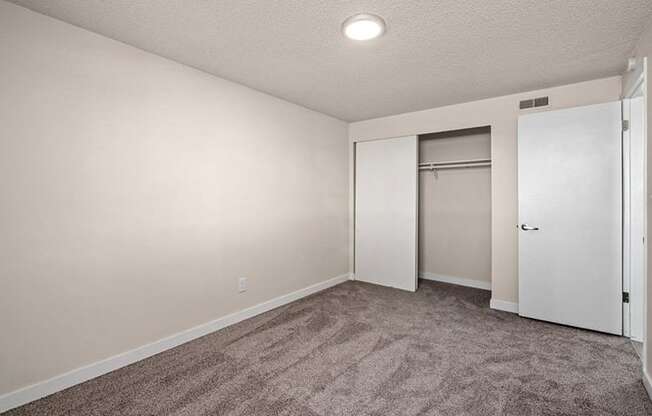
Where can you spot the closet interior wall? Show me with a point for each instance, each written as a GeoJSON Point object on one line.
{"type": "Point", "coordinates": [455, 208]}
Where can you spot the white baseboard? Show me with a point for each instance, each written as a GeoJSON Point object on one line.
{"type": "Point", "coordinates": [461, 281]}
{"type": "Point", "coordinates": [79, 375]}
{"type": "Point", "coordinates": [647, 382]}
{"type": "Point", "coordinates": [503, 305]}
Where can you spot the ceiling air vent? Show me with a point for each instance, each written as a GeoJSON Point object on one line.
{"type": "Point", "coordinates": [533, 103]}
{"type": "Point", "coordinates": [541, 102]}
{"type": "Point", "coordinates": [525, 104]}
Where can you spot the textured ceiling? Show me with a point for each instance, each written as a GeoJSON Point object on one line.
{"type": "Point", "coordinates": [434, 52]}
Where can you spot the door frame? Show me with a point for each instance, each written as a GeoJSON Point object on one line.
{"type": "Point", "coordinates": [628, 218]}
{"type": "Point", "coordinates": [638, 86]}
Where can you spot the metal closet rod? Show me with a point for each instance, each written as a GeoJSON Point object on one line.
{"type": "Point", "coordinates": [455, 162]}
{"type": "Point", "coordinates": [455, 166]}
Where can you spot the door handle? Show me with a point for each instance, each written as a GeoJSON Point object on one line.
{"type": "Point", "coordinates": [526, 227]}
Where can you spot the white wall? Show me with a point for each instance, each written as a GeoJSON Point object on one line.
{"type": "Point", "coordinates": [455, 208]}
{"type": "Point", "coordinates": [135, 191]}
{"type": "Point", "coordinates": [501, 114]}
{"type": "Point", "coordinates": [644, 49]}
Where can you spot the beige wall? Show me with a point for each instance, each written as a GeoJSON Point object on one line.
{"type": "Point", "coordinates": [501, 114]}
{"type": "Point", "coordinates": [644, 49]}
{"type": "Point", "coordinates": [136, 191]}
{"type": "Point", "coordinates": [455, 207]}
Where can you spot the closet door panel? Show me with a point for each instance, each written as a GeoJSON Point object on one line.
{"type": "Point", "coordinates": [386, 187]}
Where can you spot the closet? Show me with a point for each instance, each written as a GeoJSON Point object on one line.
{"type": "Point", "coordinates": [423, 209]}
{"type": "Point", "coordinates": [454, 225]}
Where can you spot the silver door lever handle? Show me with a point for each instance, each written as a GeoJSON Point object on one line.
{"type": "Point", "coordinates": [526, 227]}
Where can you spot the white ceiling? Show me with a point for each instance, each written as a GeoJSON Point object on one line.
{"type": "Point", "coordinates": [434, 53]}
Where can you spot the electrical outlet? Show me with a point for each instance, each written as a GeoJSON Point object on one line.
{"type": "Point", "coordinates": [242, 284]}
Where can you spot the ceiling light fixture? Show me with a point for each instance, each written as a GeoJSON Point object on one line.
{"type": "Point", "coordinates": [363, 27]}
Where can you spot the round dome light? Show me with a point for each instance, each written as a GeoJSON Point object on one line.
{"type": "Point", "coordinates": [363, 27]}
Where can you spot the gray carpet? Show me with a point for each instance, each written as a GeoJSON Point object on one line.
{"type": "Point", "coordinates": [359, 349]}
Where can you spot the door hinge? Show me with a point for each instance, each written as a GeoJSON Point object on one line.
{"type": "Point", "coordinates": [625, 297]}
{"type": "Point", "coordinates": [625, 125]}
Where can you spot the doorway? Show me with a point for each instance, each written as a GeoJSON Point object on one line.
{"type": "Point", "coordinates": [455, 207]}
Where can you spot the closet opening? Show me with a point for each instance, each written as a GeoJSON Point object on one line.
{"type": "Point", "coordinates": [454, 211]}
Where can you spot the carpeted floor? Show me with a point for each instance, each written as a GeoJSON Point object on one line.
{"type": "Point", "coordinates": [360, 349]}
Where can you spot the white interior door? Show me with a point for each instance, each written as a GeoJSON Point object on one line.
{"type": "Point", "coordinates": [386, 186]}
{"type": "Point", "coordinates": [570, 217]}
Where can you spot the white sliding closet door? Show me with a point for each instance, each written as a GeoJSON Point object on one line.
{"type": "Point", "coordinates": [570, 215]}
{"type": "Point", "coordinates": [386, 186]}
